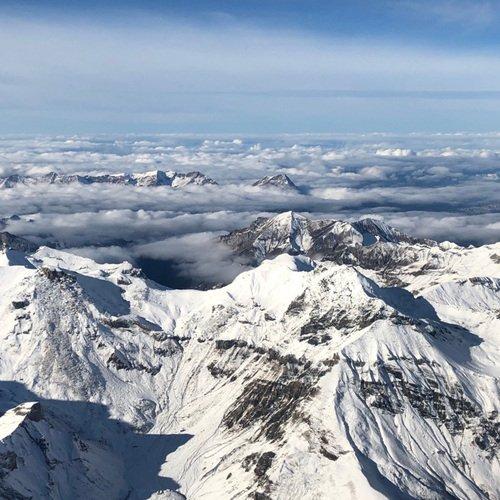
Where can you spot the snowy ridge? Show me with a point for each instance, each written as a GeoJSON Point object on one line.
{"type": "Point", "coordinates": [149, 179]}
{"type": "Point", "coordinates": [50, 453]}
{"type": "Point", "coordinates": [301, 379]}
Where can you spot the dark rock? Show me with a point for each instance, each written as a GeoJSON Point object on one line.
{"type": "Point", "coordinates": [271, 404]}
{"type": "Point", "coordinates": [119, 361]}
{"type": "Point", "coordinates": [229, 344]}
{"type": "Point", "coordinates": [249, 460]}
{"type": "Point", "coordinates": [9, 241]}
{"type": "Point", "coordinates": [8, 461]}
{"type": "Point", "coordinates": [261, 496]}
{"type": "Point", "coordinates": [57, 275]}
{"type": "Point", "coordinates": [264, 463]}
{"type": "Point", "coordinates": [20, 304]}
{"type": "Point", "coordinates": [217, 371]}
{"type": "Point", "coordinates": [327, 454]}
{"type": "Point", "coordinates": [35, 413]}
{"type": "Point", "coordinates": [333, 361]}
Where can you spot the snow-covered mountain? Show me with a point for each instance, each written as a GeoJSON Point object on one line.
{"type": "Point", "coordinates": [370, 243]}
{"type": "Point", "coordinates": [153, 178]}
{"type": "Point", "coordinates": [301, 379]}
{"type": "Point", "coordinates": [290, 232]}
{"type": "Point", "coordinates": [280, 181]}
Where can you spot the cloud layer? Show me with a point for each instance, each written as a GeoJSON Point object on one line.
{"type": "Point", "coordinates": [439, 186]}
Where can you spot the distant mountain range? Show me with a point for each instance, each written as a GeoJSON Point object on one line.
{"type": "Point", "coordinates": [153, 178]}
{"type": "Point", "coordinates": [150, 179]}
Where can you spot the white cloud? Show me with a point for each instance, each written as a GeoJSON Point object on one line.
{"type": "Point", "coordinates": [197, 256]}
{"type": "Point", "coordinates": [394, 152]}
{"type": "Point", "coordinates": [455, 196]}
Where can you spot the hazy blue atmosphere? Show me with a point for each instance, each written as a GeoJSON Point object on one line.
{"type": "Point", "coordinates": [249, 67]}
{"type": "Point", "coordinates": [386, 108]}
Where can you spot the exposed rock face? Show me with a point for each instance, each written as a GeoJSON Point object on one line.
{"type": "Point", "coordinates": [280, 181]}
{"type": "Point", "coordinates": [301, 379]}
{"type": "Point", "coordinates": [10, 242]}
{"type": "Point", "coordinates": [148, 179]}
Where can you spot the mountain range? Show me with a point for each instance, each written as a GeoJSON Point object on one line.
{"type": "Point", "coordinates": [144, 179]}
{"type": "Point", "coordinates": [323, 372]}
{"type": "Point", "coordinates": [153, 178]}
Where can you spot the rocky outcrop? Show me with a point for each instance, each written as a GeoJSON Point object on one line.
{"type": "Point", "coordinates": [10, 242]}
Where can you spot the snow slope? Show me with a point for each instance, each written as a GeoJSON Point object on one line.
{"type": "Point", "coordinates": [301, 379]}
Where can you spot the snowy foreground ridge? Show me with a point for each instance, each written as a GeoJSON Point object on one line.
{"type": "Point", "coordinates": [302, 379]}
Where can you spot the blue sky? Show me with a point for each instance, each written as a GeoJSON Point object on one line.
{"type": "Point", "coordinates": [249, 66]}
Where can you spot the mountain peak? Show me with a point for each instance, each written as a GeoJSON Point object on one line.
{"type": "Point", "coordinates": [277, 181]}
{"type": "Point", "coordinates": [195, 178]}
{"type": "Point", "coordinates": [154, 178]}
{"type": "Point", "coordinates": [374, 230]}
{"type": "Point", "coordinates": [287, 217]}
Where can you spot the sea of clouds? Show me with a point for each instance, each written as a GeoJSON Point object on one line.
{"type": "Point", "coordinates": [444, 187]}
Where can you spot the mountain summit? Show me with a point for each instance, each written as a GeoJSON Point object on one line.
{"type": "Point", "coordinates": [11, 242]}
{"type": "Point", "coordinates": [281, 181]}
